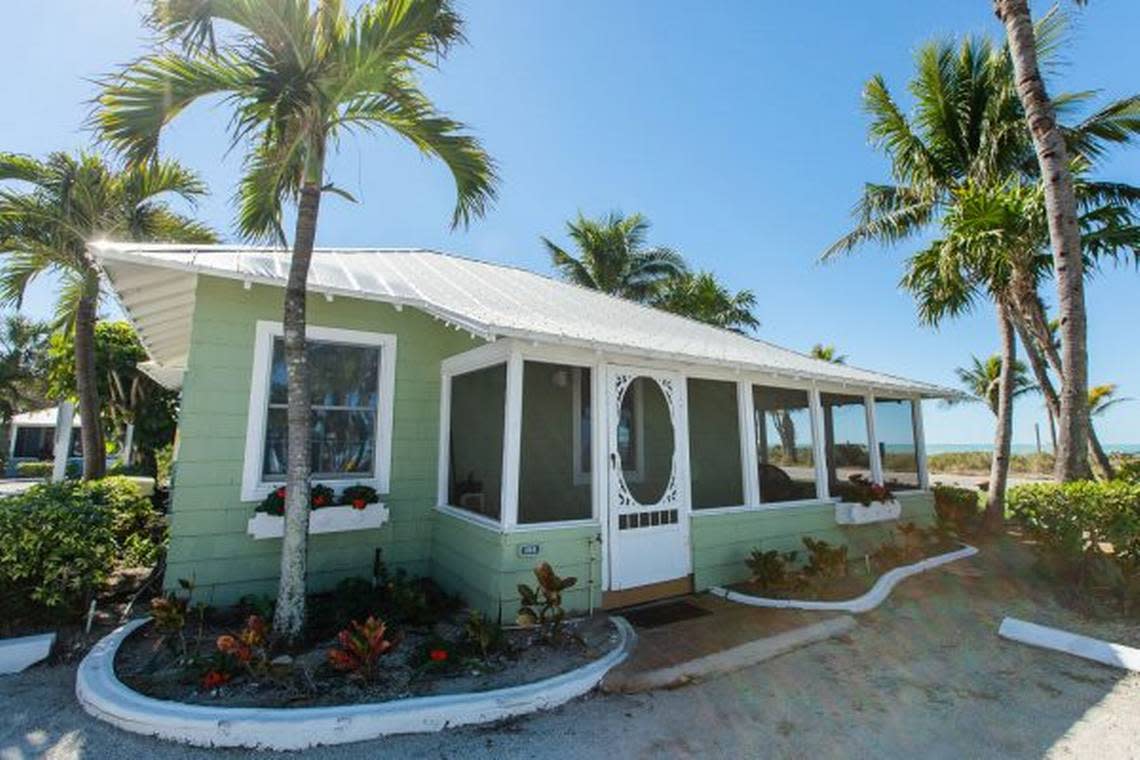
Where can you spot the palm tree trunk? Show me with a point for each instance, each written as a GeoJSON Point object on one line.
{"type": "Point", "coordinates": [289, 615]}
{"type": "Point", "coordinates": [86, 385]}
{"type": "Point", "coordinates": [1003, 433]}
{"type": "Point", "coordinates": [1061, 207]}
{"type": "Point", "coordinates": [1033, 328]}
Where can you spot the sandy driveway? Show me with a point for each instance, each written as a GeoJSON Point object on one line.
{"type": "Point", "coordinates": [924, 676]}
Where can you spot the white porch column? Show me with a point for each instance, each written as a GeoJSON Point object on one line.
{"type": "Point", "coordinates": [873, 440]}
{"type": "Point", "coordinates": [444, 457]}
{"type": "Point", "coordinates": [512, 440]}
{"type": "Point", "coordinates": [819, 447]}
{"type": "Point", "coordinates": [751, 471]}
{"type": "Point", "coordinates": [920, 445]}
{"type": "Point", "coordinates": [128, 443]}
{"type": "Point", "coordinates": [65, 414]}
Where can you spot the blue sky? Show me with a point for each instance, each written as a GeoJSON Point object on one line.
{"type": "Point", "coordinates": [734, 126]}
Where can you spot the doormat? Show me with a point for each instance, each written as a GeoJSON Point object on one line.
{"type": "Point", "coordinates": [663, 613]}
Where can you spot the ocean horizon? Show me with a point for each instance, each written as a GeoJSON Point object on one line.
{"type": "Point", "coordinates": [1022, 448]}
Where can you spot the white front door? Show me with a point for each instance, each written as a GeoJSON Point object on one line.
{"type": "Point", "coordinates": [647, 466]}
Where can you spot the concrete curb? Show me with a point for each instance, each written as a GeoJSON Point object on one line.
{"type": "Point", "coordinates": [103, 696]}
{"type": "Point", "coordinates": [728, 660]}
{"type": "Point", "coordinates": [865, 603]}
{"type": "Point", "coordinates": [21, 653]}
{"type": "Point", "coordinates": [1105, 652]}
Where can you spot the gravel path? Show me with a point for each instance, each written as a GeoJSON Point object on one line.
{"type": "Point", "coordinates": [925, 675]}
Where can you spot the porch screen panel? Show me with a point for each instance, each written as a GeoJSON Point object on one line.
{"type": "Point", "coordinates": [714, 444]}
{"type": "Point", "coordinates": [549, 489]}
{"type": "Point", "coordinates": [475, 468]}
{"type": "Point", "coordinates": [785, 454]}
{"type": "Point", "coordinates": [846, 440]}
{"type": "Point", "coordinates": [34, 443]}
{"type": "Point", "coordinates": [894, 427]}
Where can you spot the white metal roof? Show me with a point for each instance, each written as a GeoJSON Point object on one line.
{"type": "Point", "coordinates": [40, 418]}
{"type": "Point", "coordinates": [156, 286]}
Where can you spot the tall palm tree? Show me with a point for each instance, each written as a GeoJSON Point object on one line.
{"type": "Point", "coordinates": [613, 257]}
{"type": "Point", "coordinates": [1103, 397]}
{"type": "Point", "coordinates": [701, 297]}
{"type": "Point", "coordinates": [828, 353]}
{"type": "Point", "coordinates": [299, 74]}
{"type": "Point", "coordinates": [982, 380]}
{"type": "Point", "coordinates": [57, 206]}
{"type": "Point", "coordinates": [967, 131]}
{"type": "Point", "coordinates": [1064, 233]}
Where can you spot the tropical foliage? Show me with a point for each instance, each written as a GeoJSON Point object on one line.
{"type": "Point", "coordinates": [828, 353]}
{"type": "Point", "coordinates": [47, 215]}
{"type": "Point", "coordinates": [23, 374]}
{"type": "Point", "coordinates": [981, 380]}
{"type": "Point", "coordinates": [299, 76]}
{"type": "Point", "coordinates": [701, 297]}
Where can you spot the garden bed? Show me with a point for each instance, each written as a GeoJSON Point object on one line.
{"type": "Point", "coordinates": [423, 661]}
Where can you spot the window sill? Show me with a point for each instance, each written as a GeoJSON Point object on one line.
{"type": "Point", "coordinates": [324, 520]}
{"type": "Point", "coordinates": [774, 506]}
{"type": "Point", "coordinates": [467, 515]}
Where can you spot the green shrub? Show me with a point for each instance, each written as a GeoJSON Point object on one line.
{"type": "Point", "coordinates": [60, 541]}
{"type": "Point", "coordinates": [57, 549]}
{"type": "Point", "coordinates": [825, 561]}
{"type": "Point", "coordinates": [956, 507]}
{"type": "Point", "coordinates": [771, 569]}
{"type": "Point", "coordinates": [1129, 471]}
{"type": "Point", "coordinates": [1091, 532]}
{"type": "Point", "coordinates": [33, 469]}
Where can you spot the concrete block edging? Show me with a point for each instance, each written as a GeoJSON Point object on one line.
{"type": "Point", "coordinates": [105, 697]}
{"type": "Point", "coordinates": [865, 603]}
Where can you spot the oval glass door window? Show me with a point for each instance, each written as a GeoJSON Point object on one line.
{"type": "Point", "coordinates": [645, 441]}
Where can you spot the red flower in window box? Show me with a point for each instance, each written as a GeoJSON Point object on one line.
{"type": "Point", "coordinates": [359, 504]}
{"type": "Point", "coordinates": [359, 496]}
{"type": "Point", "coordinates": [438, 655]}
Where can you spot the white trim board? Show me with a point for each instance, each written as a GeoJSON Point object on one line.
{"type": "Point", "coordinates": [105, 697]}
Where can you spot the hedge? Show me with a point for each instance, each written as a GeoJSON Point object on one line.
{"type": "Point", "coordinates": [60, 541]}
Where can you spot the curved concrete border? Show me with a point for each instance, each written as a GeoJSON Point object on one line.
{"type": "Point", "coordinates": [868, 601]}
{"type": "Point", "coordinates": [103, 696]}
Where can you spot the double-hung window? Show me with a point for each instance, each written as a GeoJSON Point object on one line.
{"type": "Point", "coordinates": [351, 379]}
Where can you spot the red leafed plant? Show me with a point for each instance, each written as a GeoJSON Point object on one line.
{"type": "Point", "coordinates": [863, 491]}
{"type": "Point", "coordinates": [214, 678]}
{"type": "Point", "coordinates": [361, 647]}
{"type": "Point", "coordinates": [250, 646]}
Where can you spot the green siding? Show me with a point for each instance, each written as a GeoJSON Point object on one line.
{"type": "Point", "coordinates": [485, 565]}
{"type": "Point", "coordinates": [208, 538]}
{"type": "Point", "coordinates": [721, 542]}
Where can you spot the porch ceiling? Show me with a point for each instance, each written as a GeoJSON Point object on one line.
{"type": "Point", "coordinates": [155, 284]}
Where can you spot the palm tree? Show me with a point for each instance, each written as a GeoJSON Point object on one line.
{"type": "Point", "coordinates": [701, 297]}
{"type": "Point", "coordinates": [44, 228]}
{"type": "Point", "coordinates": [613, 258]}
{"type": "Point", "coordinates": [1102, 398]}
{"type": "Point", "coordinates": [299, 77]}
{"type": "Point", "coordinates": [828, 353]}
{"type": "Point", "coordinates": [1064, 233]}
{"type": "Point", "coordinates": [23, 345]}
{"type": "Point", "coordinates": [982, 379]}
{"type": "Point", "coordinates": [968, 133]}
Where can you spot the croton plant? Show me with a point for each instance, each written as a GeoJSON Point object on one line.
{"type": "Point", "coordinates": [357, 497]}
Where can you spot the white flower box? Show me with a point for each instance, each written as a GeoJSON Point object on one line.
{"type": "Point", "coordinates": [323, 520]}
{"type": "Point", "coordinates": [853, 513]}
{"type": "Point", "coordinates": [20, 653]}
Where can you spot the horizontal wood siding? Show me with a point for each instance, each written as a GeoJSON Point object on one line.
{"type": "Point", "coordinates": [721, 542]}
{"type": "Point", "coordinates": [208, 519]}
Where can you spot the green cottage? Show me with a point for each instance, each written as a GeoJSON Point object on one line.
{"type": "Point", "coordinates": [504, 418]}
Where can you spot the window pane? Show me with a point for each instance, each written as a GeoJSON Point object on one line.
{"type": "Point", "coordinates": [341, 443]}
{"type": "Point", "coordinates": [627, 426]}
{"type": "Point", "coordinates": [585, 441]}
{"type": "Point", "coordinates": [894, 427]}
{"type": "Point", "coordinates": [646, 441]}
{"type": "Point", "coordinates": [475, 470]}
{"type": "Point", "coordinates": [846, 440]}
{"type": "Point", "coordinates": [714, 444]}
{"type": "Point", "coordinates": [339, 374]}
{"type": "Point", "coordinates": [35, 443]}
{"type": "Point", "coordinates": [548, 490]}
{"type": "Point", "coordinates": [784, 450]}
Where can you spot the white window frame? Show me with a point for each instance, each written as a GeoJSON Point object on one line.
{"type": "Point", "coordinates": [919, 442]}
{"type": "Point", "coordinates": [254, 487]}
{"type": "Point", "coordinates": [581, 476]}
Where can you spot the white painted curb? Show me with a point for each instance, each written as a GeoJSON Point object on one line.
{"type": "Point", "coordinates": [105, 697]}
{"type": "Point", "coordinates": [23, 652]}
{"type": "Point", "coordinates": [1116, 655]}
{"type": "Point", "coordinates": [865, 603]}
